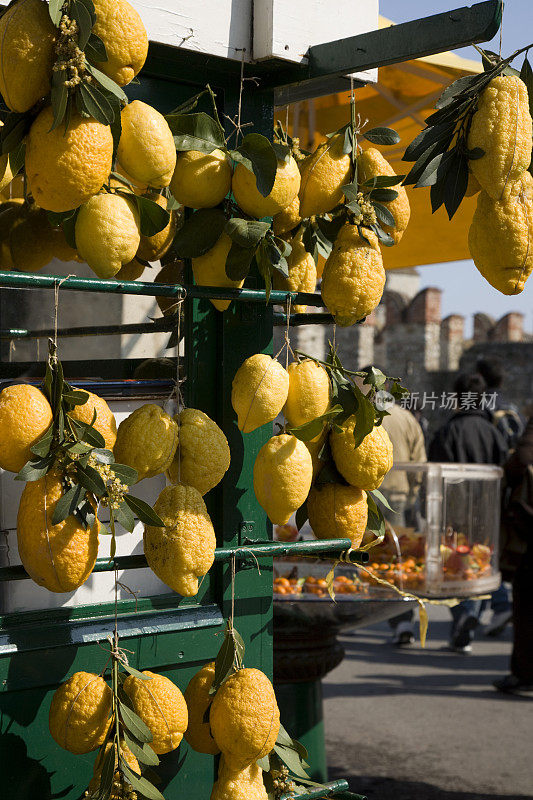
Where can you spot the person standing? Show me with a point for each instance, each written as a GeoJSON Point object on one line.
{"type": "Point", "coordinates": [468, 437]}
{"type": "Point", "coordinates": [519, 474]}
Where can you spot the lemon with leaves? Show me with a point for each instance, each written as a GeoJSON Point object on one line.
{"type": "Point", "coordinates": [209, 269]}
{"type": "Point", "coordinates": [25, 416]}
{"type": "Point", "coordinates": [107, 233]}
{"type": "Point", "coordinates": [354, 277]}
{"type": "Point", "coordinates": [161, 706]}
{"type": "Point", "coordinates": [244, 718]}
{"type": "Point", "coordinates": [283, 471]}
{"type": "Point", "coordinates": [65, 169]}
{"type": "Point", "coordinates": [338, 512]}
{"type": "Point", "coordinates": [288, 218]}
{"type": "Point", "coordinates": [249, 198]}
{"type": "Point", "coordinates": [146, 150]}
{"type": "Point", "coordinates": [502, 128]}
{"type": "Point", "coordinates": [324, 173]}
{"type": "Point", "coordinates": [201, 180]}
{"type": "Point", "coordinates": [152, 248]}
{"type": "Point", "coordinates": [27, 37]}
{"type": "Point", "coordinates": [121, 29]}
{"type": "Point", "coordinates": [198, 733]}
{"type": "Point", "coordinates": [309, 392]}
{"type": "Point", "coordinates": [80, 713]}
{"type": "Point", "coordinates": [100, 760]}
{"type": "Point", "coordinates": [33, 242]}
{"type": "Point", "coordinates": [371, 164]}
{"type": "Point", "coordinates": [203, 456]}
{"type": "Point", "coordinates": [184, 549]}
{"type": "Point", "coordinates": [259, 391]}
{"type": "Point", "coordinates": [104, 421]}
{"type": "Point", "coordinates": [364, 466]}
{"type": "Point", "coordinates": [58, 556]}
{"type": "Point", "coordinates": [147, 441]}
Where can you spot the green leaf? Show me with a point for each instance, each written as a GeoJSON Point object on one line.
{"type": "Point", "coordinates": [134, 723]}
{"type": "Point", "coordinates": [135, 672]}
{"type": "Point", "coordinates": [199, 233]}
{"type": "Point", "coordinates": [229, 658]}
{"type": "Point", "coordinates": [383, 181]}
{"type": "Point", "coordinates": [189, 104]}
{"type": "Point", "coordinates": [364, 417]}
{"type": "Point", "coordinates": [385, 238]}
{"type": "Point", "coordinates": [143, 786]}
{"type": "Point", "coordinates": [77, 397]}
{"type": "Point", "coordinates": [196, 132]}
{"type": "Point", "coordinates": [282, 151]}
{"type": "Point", "coordinates": [124, 516]}
{"type": "Point", "coordinates": [302, 515]}
{"type": "Point", "coordinates": [142, 752]}
{"type": "Point", "coordinates": [347, 145]}
{"type": "Point", "coordinates": [310, 430]}
{"type": "Point", "coordinates": [35, 468]}
{"type": "Point", "coordinates": [291, 759]}
{"type": "Point", "coordinates": [14, 129]}
{"type": "Point", "coordinates": [87, 433]}
{"type": "Point", "coordinates": [238, 261]}
{"type": "Point", "coordinates": [153, 218]}
{"type": "Point", "coordinates": [466, 84]}
{"type": "Point", "coordinates": [438, 189]}
{"type": "Point", "coordinates": [144, 512]}
{"type": "Point", "coordinates": [384, 195]}
{"type": "Point", "coordinates": [264, 267]}
{"type": "Point", "coordinates": [95, 49]}
{"type": "Point", "coordinates": [91, 479]}
{"type": "Point", "coordinates": [258, 150]}
{"type": "Point", "coordinates": [376, 521]}
{"type": "Point", "coordinates": [108, 772]}
{"type": "Point", "coordinates": [16, 158]}
{"type": "Point", "coordinates": [127, 474]}
{"type": "Point", "coordinates": [108, 83]}
{"type": "Point", "coordinates": [456, 184]}
{"type": "Point", "coordinates": [79, 12]}
{"type": "Point", "coordinates": [246, 232]}
{"type": "Point", "coordinates": [42, 447]}
{"type": "Point", "coordinates": [381, 135]}
{"type": "Point", "coordinates": [264, 763]}
{"type": "Point", "coordinates": [382, 499]}
{"type": "Point", "coordinates": [475, 153]}
{"type": "Point", "coordinates": [526, 75]}
{"type": "Point", "coordinates": [283, 737]}
{"type": "Point", "coordinates": [384, 215]}
{"type": "Point", "coordinates": [96, 103]}
{"type": "Point", "coordinates": [375, 377]}
{"type": "Point", "coordinates": [438, 148]}
{"type": "Point", "coordinates": [55, 9]}
{"type": "Point", "coordinates": [67, 504]}
{"type": "Point", "coordinates": [80, 448]}
{"type": "Point", "coordinates": [429, 174]}
{"type": "Point", "coordinates": [429, 136]}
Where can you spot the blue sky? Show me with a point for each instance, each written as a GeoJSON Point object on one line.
{"type": "Point", "coordinates": [464, 290]}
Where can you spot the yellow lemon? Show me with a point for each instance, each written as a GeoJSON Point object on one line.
{"type": "Point", "coordinates": [364, 466]}
{"type": "Point", "coordinates": [502, 128]}
{"type": "Point", "coordinates": [201, 180]}
{"type": "Point", "coordinates": [309, 389]}
{"type": "Point", "coordinates": [171, 273]}
{"type": "Point", "coordinates": [59, 557]}
{"type": "Point", "coordinates": [354, 277]}
{"type": "Point", "coordinates": [107, 233]}
{"type": "Point", "coordinates": [146, 150]}
{"type": "Point", "coordinates": [80, 713]}
{"type": "Point", "coordinates": [283, 471]}
{"type": "Point", "coordinates": [121, 29]}
{"type": "Point", "coordinates": [198, 733]}
{"type": "Point", "coordinates": [33, 242]}
{"type": "Point", "coordinates": [147, 441]}
{"type": "Point", "coordinates": [210, 269]}
{"type": "Point", "coordinates": [161, 706]}
{"type": "Point", "coordinates": [65, 169]}
{"type": "Point", "coordinates": [245, 718]}
{"type": "Point", "coordinates": [184, 549]}
{"type": "Point", "coordinates": [249, 198]}
{"type": "Point", "coordinates": [203, 457]}
{"type": "Point", "coordinates": [302, 272]}
{"type": "Point", "coordinates": [338, 512]}
{"type": "Point", "coordinates": [500, 239]}
{"type": "Point", "coordinates": [25, 416]}
{"type": "Point", "coordinates": [99, 762]}
{"type": "Point", "coordinates": [473, 186]}
{"type": "Point", "coordinates": [104, 423]}
{"type": "Point", "coordinates": [243, 784]}
{"type": "Point", "coordinates": [27, 37]}
{"type": "Point", "coordinates": [259, 391]}
{"type": "Point", "coordinates": [370, 164]}
{"type": "Point", "coordinates": [287, 219]}
{"type": "Point", "coordinates": [152, 248]}
{"type": "Point", "coordinates": [324, 173]}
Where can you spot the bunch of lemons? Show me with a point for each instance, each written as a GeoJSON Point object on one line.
{"type": "Point", "coordinates": [286, 468]}
{"type": "Point", "coordinates": [501, 233]}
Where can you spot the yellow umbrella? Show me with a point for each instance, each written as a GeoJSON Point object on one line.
{"type": "Point", "coordinates": [403, 97]}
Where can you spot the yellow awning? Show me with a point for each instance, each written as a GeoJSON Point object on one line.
{"type": "Point", "coordinates": [404, 95]}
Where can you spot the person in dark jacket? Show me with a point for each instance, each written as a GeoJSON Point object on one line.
{"type": "Point", "coordinates": [518, 471]}
{"type": "Point", "coordinates": [469, 437]}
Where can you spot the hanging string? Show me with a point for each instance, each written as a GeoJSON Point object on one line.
{"type": "Point", "coordinates": [287, 120]}
{"type": "Point", "coordinates": [287, 330]}
{"type": "Point", "coordinates": [11, 350]}
{"type": "Point", "coordinates": [57, 286]}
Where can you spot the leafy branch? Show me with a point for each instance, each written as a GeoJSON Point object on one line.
{"type": "Point", "coordinates": [88, 470]}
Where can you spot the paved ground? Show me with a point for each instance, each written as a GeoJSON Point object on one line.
{"type": "Point", "coordinates": [426, 724]}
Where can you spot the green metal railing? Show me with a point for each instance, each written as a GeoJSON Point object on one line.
{"type": "Point", "coordinates": [338, 788]}
{"type": "Point", "coordinates": [248, 553]}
